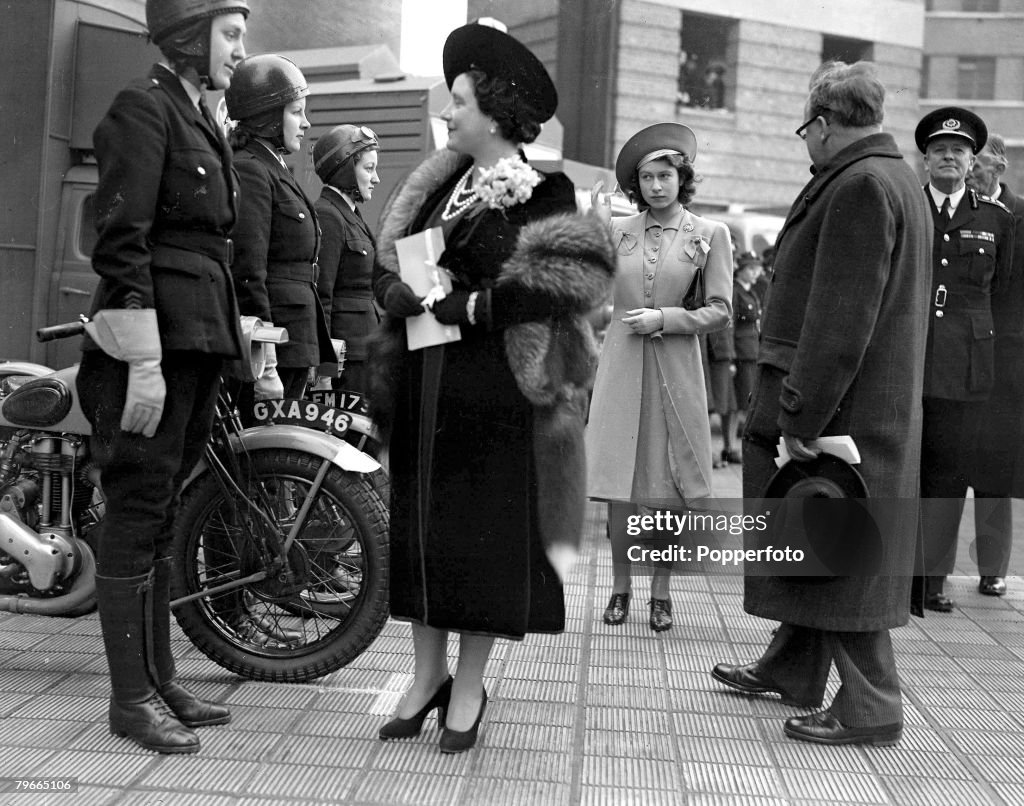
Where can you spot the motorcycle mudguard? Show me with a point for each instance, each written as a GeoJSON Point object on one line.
{"type": "Point", "coordinates": [297, 438]}
{"type": "Point", "coordinates": [23, 368]}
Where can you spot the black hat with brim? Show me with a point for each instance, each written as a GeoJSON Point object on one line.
{"type": "Point", "coordinates": [673, 136]}
{"type": "Point", "coordinates": [499, 55]}
{"type": "Point", "coordinates": [951, 121]}
{"type": "Point", "coordinates": [821, 507]}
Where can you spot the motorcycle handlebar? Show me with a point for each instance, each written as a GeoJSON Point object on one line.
{"type": "Point", "coordinates": [64, 331]}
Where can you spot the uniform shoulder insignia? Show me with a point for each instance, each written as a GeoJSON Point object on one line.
{"type": "Point", "coordinates": [994, 202]}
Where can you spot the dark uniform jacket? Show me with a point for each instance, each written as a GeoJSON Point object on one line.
{"type": "Point", "coordinates": [842, 353]}
{"type": "Point", "coordinates": [165, 204]}
{"type": "Point", "coordinates": [746, 313]}
{"type": "Point", "coordinates": [994, 430]}
{"type": "Point", "coordinates": [972, 255]}
{"type": "Point", "coordinates": [347, 251]}
{"type": "Point", "coordinates": [276, 244]}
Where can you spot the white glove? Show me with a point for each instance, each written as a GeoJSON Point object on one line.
{"type": "Point", "coordinates": [133, 336]}
{"type": "Point", "coordinates": [268, 385]}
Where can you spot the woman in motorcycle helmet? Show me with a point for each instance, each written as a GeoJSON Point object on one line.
{"type": "Point", "coordinates": [345, 159]}
{"type": "Point", "coordinates": [164, 318]}
{"type": "Point", "coordinates": [277, 236]}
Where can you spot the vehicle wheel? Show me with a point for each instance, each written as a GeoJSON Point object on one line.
{"type": "Point", "coordinates": [301, 616]}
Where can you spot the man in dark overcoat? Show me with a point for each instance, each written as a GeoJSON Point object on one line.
{"type": "Point", "coordinates": [972, 258]}
{"type": "Point", "coordinates": [995, 428]}
{"type": "Point", "coordinates": [842, 353]}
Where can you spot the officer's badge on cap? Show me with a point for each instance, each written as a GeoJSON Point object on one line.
{"type": "Point", "coordinates": [498, 54]}
{"type": "Point", "coordinates": [951, 121]}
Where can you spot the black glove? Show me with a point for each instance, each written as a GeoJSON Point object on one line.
{"type": "Point", "coordinates": [400, 300]}
{"type": "Point", "coordinates": [452, 309]}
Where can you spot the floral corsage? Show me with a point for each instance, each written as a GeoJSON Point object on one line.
{"type": "Point", "coordinates": [509, 182]}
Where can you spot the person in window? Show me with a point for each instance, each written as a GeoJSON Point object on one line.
{"type": "Point", "coordinates": [485, 432]}
{"type": "Point", "coordinates": [345, 159]}
{"type": "Point", "coordinates": [164, 320]}
{"type": "Point", "coordinates": [277, 237]}
{"type": "Point", "coordinates": [712, 92]}
{"type": "Point", "coordinates": [648, 436]}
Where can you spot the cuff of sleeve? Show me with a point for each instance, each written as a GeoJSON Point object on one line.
{"type": "Point", "coordinates": [790, 399]}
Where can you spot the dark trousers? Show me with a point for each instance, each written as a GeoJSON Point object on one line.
{"type": "Point", "coordinates": [993, 529]}
{"type": "Point", "coordinates": [142, 476]}
{"type": "Point", "coordinates": [943, 482]}
{"type": "Point", "coordinates": [799, 658]}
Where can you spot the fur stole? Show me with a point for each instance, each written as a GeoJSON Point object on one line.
{"type": "Point", "coordinates": [569, 256]}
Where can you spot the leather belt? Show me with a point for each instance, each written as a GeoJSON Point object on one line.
{"type": "Point", "coordinates": [210, 244]}
{"type": "Point", "coordinates": [298, 271]}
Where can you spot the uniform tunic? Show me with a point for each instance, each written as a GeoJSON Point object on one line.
{"type": "Point", "coordinates": [347, 251]}
{"type": "Point", "coordinates": [165, 204]}
{"type": "Point", "coordinates": [276, 243]}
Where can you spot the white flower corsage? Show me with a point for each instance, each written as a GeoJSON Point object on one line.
{"type": "Point", "coordinates": [509, 182]}
{"type": "Point", "coordinates": [698, 243]}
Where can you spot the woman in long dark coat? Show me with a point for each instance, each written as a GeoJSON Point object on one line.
{"type": "Point", "coordinates": [486, 432]}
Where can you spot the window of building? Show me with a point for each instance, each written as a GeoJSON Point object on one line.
{"type": "Point", "coordinates": [976, 78]}
{"type": "Point", "coordinates": [984, 6]}
{"type": "Point", "coordinates": [842, 49]}
{"type": "Point", "coordinates": [707, 61]}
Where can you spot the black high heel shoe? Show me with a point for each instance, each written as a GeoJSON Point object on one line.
{"type": "Point", "coordinates": [459, 741]}
{"type": "Point", "coordinates": [399, 728]}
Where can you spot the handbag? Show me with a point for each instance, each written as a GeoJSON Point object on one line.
{"type": "Point", "coordinates": [694, 296]}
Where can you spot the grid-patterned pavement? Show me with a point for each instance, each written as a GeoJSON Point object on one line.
{"type": "Point", "coordinates": [598, 715]}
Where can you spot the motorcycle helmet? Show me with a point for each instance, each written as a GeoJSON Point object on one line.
{"type": "Point", "coordinates": [163, 17]}
{"type": "Point", "coordinates": [336, 153]}
{"type": "Point", "coordinates": [181, 29]}
{"type": "Point", "coordinates": [261, 87]}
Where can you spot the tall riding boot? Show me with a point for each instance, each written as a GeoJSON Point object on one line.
{"type": "Point", "coordinates": [136, 709]}
{"type": "Point", "coordinates": [190, 710]}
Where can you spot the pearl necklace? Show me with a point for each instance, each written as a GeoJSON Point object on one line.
{"type": "Point", "coordinates": [456, 204]}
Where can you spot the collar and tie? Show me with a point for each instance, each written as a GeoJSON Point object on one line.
{"type": "Point", "coordinates": [944, 210]}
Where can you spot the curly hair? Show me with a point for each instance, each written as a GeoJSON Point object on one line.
{"type": "Point", "coordinates": [688, 180]}
{"type": "Point", "coordinates": [497, 98]}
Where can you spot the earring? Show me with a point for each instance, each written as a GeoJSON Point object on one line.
{"type": "Point", "coordinates": [494, 129]}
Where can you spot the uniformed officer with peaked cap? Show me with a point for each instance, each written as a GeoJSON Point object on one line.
{"type": "Point", "coordinates": [972, 251]}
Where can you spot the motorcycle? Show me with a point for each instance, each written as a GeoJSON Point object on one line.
{"type": "Point", "coordinates": [279, 552]}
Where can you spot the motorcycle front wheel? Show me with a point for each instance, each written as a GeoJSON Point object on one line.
{"type": "Point", "coordinates": [304, 613]}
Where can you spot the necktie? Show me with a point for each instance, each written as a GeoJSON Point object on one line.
{"type": "Point", "coordinates": [945, 207]}
{"type": "Point", "coordinates": [208, 115]}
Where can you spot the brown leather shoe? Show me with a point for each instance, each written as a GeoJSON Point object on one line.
{"type": "Point", "coordinates": [823, 728]}
{"type": "Point", "coordinates": [661, 615]}
{"type": "Point", "coordinates": [992, 586]}
{"type": "Point", "coordinates": [749, 680]}
{"type": "Point", "coordinates": [618, 608]}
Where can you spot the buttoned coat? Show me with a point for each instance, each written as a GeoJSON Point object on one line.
{"type": "Point", "coordinates": [842, 353]}
{"type": "Point", "coordinates": [165, 202]}
{"type": "Point", "coordinates": [347, 250]}
{"type": "Point", "coordinates": [995, 427]}
{"type": "Point", "coordinates": [276, 243]}
{"type": "Point", "coordinates": [972, 258]}
{"type": "Point", "coordinates": [671, 358]}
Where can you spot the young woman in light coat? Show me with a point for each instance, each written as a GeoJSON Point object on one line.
{"type": "Point", "coordinates": [648, 440]}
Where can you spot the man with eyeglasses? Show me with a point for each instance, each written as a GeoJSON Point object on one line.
{"type": "Point", "coordinates": [972, 256]}
{"type": "Point", "coordinates": [841, 353]}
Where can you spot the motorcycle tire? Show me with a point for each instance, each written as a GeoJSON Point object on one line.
{"type": "Point", "coordinates": [309, 616]}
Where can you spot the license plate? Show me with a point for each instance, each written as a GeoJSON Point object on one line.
{"type": "Point", "coordinates": [306, 413]}
{"type": "Point", "coordinates": [340, 399]}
